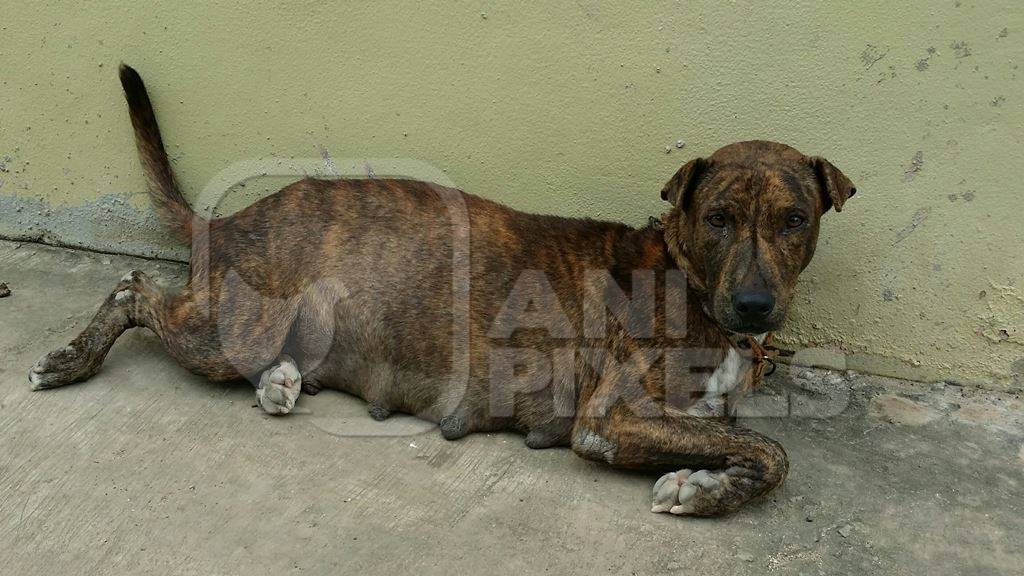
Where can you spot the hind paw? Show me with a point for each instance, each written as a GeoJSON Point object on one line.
{"type": "Point", "coordinates": [60, 367]}
{"type": "Point", "coordinates": [279, 387]}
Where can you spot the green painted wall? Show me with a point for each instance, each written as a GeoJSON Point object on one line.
{"type": "Point", "coordinates": [572, 108]}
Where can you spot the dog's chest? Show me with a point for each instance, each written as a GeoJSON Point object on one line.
{"type": "Point", "coordinates": [727, 377]}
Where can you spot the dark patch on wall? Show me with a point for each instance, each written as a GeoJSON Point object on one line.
{"type": "Point", "coordinates": [922, 64]}
{"type": "Point", "coordinates": [871, 55]}
{"type": "Point", "coordinates": [889, 74]}
{"type": "Point", "coordinates": [915, 166]}
{"type": "Point", "coordinates": [960, 49]}
{"type": "Point", "coordinates": [915, 221]}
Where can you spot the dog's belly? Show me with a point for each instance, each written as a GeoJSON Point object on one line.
{"type": "Point", "coordinates": [418, 368]}
{"type": "Point", "coordinates": [385, 385]}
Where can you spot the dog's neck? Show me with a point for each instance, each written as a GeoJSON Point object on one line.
{"type": "Point", "coordinates": [654, 248]}
{"type": "Point", "coordinates": [669, 228]}
{"type": "Point", "coordinates": [659, 247]}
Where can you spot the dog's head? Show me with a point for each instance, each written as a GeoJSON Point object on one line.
{"type": "Point", "coordinates": [744, 224]}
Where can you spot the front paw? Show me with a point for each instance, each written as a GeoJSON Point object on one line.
{"type": "Point", "coordinates": [677, 492]}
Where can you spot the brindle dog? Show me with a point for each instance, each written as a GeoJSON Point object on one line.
{"type": "Point", "coordinates": [422, 299]}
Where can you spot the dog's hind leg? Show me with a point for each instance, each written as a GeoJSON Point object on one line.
{"type": "Point", "coordinates": [249, 335]}
{"type": "Point", "coordinates": [131, 304]}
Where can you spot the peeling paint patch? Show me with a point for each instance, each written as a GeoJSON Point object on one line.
{"type": "Point", "coordinates": [329, 165]}
{"type": "Point", "coordinates": [923, 63]}
{"type": "Point", "coordinates": [887, 75]}
{"type": "Point", "coordinates": [1004, 316]}
{"type": "Point", "coordinates": [915, 166]}
{"type": "Point", "coordinates": [871, 55]}
{"type": "Point", "coordinates": [1004, 33]}
{"type": "Point", "coordinates": [960, 49]}
{"type": "Point", "coordinates": [998, 101]}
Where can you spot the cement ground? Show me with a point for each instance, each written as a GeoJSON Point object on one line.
{"type": "Point", "coordinates": [149, 469]}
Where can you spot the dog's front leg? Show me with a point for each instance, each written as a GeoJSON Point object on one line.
{"type": "Point", "coordinates": [712, 467]}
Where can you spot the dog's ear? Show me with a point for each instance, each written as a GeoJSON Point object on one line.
{"type": "Point", "coordinates": [678, 189]}
{"type": "Point", "coordinates": [835, 187]}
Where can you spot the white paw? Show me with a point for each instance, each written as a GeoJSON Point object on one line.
{"type": "Point", "coordinates": [674, 492]}
{"type": "Point", "coordinates": [38, 379]}
{"type": "Point", "coordinates": [279, 387]}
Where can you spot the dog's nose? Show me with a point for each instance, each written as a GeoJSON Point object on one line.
{"type": "Point", "coordinates": [753, 305]}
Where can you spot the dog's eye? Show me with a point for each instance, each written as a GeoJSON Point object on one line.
{"type": "Point", "coordinates": [716, 220]}
{"type": "Point", "coordinates": [795, 221]}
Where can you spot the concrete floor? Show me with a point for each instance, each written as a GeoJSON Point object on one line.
{"type": "Point", "coordinates": [149, 469]}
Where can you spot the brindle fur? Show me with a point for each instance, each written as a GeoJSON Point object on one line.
{"type": "Point", "coordinates": [353, 279]}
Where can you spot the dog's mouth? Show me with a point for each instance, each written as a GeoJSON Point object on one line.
{"type": "Point", "coordinates": [751, 329]}
{"type": "Point", "coordinates": [729, 320]}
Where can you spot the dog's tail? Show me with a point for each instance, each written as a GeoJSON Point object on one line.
{"type": "Point", "coordinates": [163, 187]}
